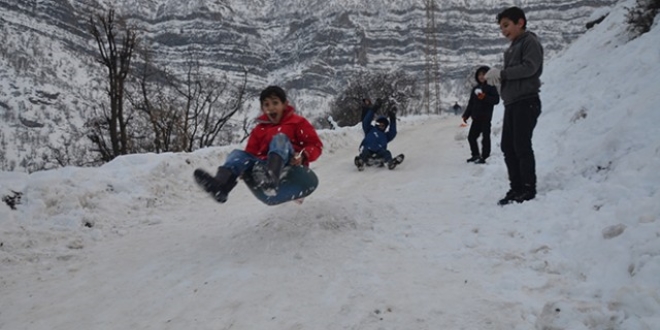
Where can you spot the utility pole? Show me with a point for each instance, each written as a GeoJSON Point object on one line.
{"type": "Point", "coordinates": [432, 69]}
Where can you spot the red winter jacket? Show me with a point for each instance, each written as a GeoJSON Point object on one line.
{"type": "Point", "coordinates": [300, 132]}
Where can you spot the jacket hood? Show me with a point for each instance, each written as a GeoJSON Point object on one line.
{"type": "Point", "coordinates": [383, 119]}
{"type": "Point", "coordinates": [484, 69]}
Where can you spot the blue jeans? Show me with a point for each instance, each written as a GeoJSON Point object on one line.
{"type": "Point", "coordinates": [239, 161]}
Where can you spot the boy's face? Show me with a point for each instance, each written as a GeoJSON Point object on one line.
{"type": "Point", "coordinates": [481, 76]}
{"type": "Point", "coordinates": [511, 30]}
{"type": "Point", "coordinates": [273, 107]}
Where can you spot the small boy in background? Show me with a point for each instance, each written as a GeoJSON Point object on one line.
{"type": "Point", "coordinates": [480, 108]}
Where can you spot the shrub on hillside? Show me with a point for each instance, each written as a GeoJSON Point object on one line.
{"type": "Point", "coordinates": [394, 89]}
{"type": "Point", "coordinates": [640, 18]}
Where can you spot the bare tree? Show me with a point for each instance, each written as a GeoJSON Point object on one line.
{"type": "Point", "coordinates": [183, 114]}
{"type": "Point", "coordinates": [394, 89]}
{"type": "Point", "coordinates": [209, 105]}
{"type": "Point", "coordinates": [157, 104]}
{"type": "Point", "coordinates": [97, 129]}
{"type": "Point", "coordinates": [67, 152]}
{"type": "Point", "coordinates": [115, 54]}
{"type": "Point", "coordinates": [245, 128]}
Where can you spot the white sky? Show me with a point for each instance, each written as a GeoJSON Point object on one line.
{"type": "Point", "coordinates": [422, 247]}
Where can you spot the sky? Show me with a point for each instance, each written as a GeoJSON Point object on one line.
{"type": "Point", "coordinates": [135, 244]}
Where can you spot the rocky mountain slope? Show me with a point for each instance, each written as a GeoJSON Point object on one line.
{"type": "Point", "coordinates": [49, 81]}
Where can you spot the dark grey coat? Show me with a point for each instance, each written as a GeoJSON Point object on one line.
{"type": "Point", "coordinates": [523, 65]}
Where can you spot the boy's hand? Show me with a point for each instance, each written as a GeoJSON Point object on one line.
{"type": "Point", "coordinates": [480, 94]}
{"type": "Point", "coordinates": [378, 104]}
{"type": "Point", "coordinates": [298, 159]}
{"type": "Point", "coordinates": [493, 76]}
{"type": "Point", "coordinates": [464, 122]}
{"type": "Point", "coordinates": [392, 113]}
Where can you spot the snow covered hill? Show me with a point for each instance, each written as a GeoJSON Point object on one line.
{"type": "Point", "coordinates": [135, 244]}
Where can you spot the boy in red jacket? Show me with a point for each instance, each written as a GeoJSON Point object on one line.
{"type": "Point", "coordinates": [281, 138]}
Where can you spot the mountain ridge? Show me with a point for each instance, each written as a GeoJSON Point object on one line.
{"type": "Point", "coordinates": [311, 48]}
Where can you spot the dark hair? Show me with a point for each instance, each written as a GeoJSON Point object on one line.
{"type": "Point", "coordinates": [514, 14]}
{"type": "Point", "coordinates": [271, 91]}
{"type": "Point", "coordinates": [484, 69]}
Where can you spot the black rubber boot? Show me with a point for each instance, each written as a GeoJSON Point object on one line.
{"type": "Point", "coordinates": [218, 186]}
{"type": "Point", "coordinates": [274, 165]}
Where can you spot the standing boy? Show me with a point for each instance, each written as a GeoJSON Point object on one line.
{"type": "Point", "coordinates": [520, 87]}
{"type": "Point", "coordinates": [280, 138]}
{"type": "Point", "coordinates": [483, 98]}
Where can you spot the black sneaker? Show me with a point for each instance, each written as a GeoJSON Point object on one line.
{"type": "Point", "coordinates": [218, 186]}
{"type": "Point", "coordinates": [480, 161]}
{"type": "Point", "coordinates": [395, 161]}
{"type": "Point", "coordinates": [527, 194]}
{"type": "Point", "coordinates": [275, 165]}
{"type": "Point", "coordinates": [473, 159]}
{"type": "Point", "coordinates": [359, 163]}
{"type": "Point", "coordinates": [508, 198]}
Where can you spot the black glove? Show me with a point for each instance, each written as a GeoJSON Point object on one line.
{"type": "Point", "coordinates": [392, 113]}
{"type": "Point", "coordinates": [378, 104]}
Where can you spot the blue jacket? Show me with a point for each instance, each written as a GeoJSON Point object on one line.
{"type": "Point", "coordinates": [375, 139]}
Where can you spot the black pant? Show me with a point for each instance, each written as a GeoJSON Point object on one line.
{"type": "Point", "coordinates": [519, 122]}
{"type": "Point", "coordinates": [385, 154]}
{"type": "Point", "coordinates": [480, 127]}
